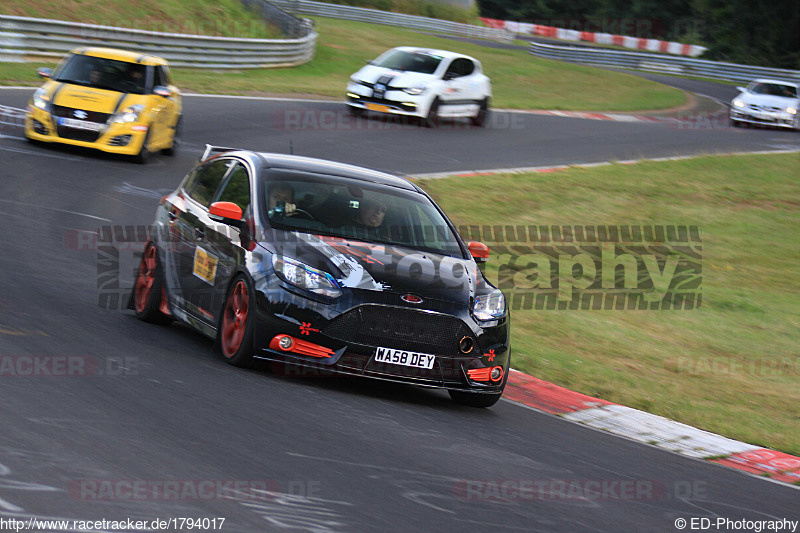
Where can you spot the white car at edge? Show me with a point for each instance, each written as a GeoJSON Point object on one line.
{"type": "Point", "coordinates": [768, 102]}
{"type": "Point", "coordinates": [422, 82]}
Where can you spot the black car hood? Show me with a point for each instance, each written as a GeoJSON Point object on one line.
{"type": "Point", "coordinates": [384, 268]}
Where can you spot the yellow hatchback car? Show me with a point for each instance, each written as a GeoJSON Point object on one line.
{"type": "Point", "coordinates": [112, 100]}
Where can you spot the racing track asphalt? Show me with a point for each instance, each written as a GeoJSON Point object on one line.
{"type": "Point", "coordinates": [154, 404]}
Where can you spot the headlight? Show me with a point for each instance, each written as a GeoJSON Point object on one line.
{"type": "Point", "coordinates": [489, 306]}
{"type": "Point", "coordinates": [306, 277]}
{"type": "Point", "coordinates": [414, 91]}
{"type": "Point", "coordinates": [738, 103]}
{"type": "Point", "coordinates": [129, 114]}
{"type": "Point", "coordinates": [41, 99]}
{"type": "Point", "coordinates": [791, 110]}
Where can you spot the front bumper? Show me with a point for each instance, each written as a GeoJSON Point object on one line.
{"type": "Point", "coordinates": [345, 341]}
{"type": "Point", "coordinates": [393, 101]}
{"type": "Point", "coordinates": [780, 119]}
{"type": "Point", "coordinates": [116, 138]}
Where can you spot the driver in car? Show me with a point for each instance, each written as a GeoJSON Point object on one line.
{"type": "Point", "coordinates": [281, 195]}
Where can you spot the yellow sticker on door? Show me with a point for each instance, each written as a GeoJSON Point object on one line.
{"type": "Point", "coordinates": [205, 265]}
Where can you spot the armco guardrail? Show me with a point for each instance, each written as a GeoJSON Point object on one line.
{"type": "Point", "coordinates": [374, 16]}
{"type": "Point", "coordinates": [660, 63]}
{"type": "Point", "coordinates": [24, 37]}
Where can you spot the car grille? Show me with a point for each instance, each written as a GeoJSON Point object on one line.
{"type": "Point", "coordinates": [770, 109]}
{"type": "Point", "coordinates": [91, 116]}
{"type": "Point", "coordinates": [399, 328]}
{"type": "Point", "coordinates": [77, 134]}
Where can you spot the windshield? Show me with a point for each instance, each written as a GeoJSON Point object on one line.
{"type": "Point", "coordinates": [350, 209]}
{"type": "Point", "coordinates": [102, 73]}
{"type": "Point", "coordinates": [410, 61]}
{"type": "Point", "coordinates": [774, 89]}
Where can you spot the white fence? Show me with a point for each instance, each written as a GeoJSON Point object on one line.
{"type": "Point", "coordinates": [22, 38]}
{"type": "Point", "coordinates": [661, 63]}
{"type": "Point", "coordinates": [375, 16]}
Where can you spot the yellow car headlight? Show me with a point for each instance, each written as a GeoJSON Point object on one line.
{"type": "Point", "coordinates": [129, 114]}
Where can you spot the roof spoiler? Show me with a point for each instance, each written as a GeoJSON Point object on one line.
{"type": "Point", "coordinates": [212, 150]}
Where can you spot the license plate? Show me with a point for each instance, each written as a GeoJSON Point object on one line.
{"type": "Point", "coordinates": [378, 107]}
{"type": "Point", "coordinates": [405, 358]}
{"type": "Point", "coordinates": [79, 124]}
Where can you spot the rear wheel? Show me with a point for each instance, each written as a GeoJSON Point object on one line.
{"type": "Point", "coordinates": [235, 337]}
{"type": "Point", "coordinates": [479, 119]}
{"type": "Point", "coordinates": [148, 291]}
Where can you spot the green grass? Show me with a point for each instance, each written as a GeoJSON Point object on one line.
{"type": "Point", "coordinates": [733, 365]}
{"type": "Point", "coordinates": [519, 80]}
{"type": "Point", "coordinates": [226, 18]}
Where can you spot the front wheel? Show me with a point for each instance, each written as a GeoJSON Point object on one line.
{"type": "Point", "coordinates": [474, 399]}
{"type": "Point", "coordinates": [144, 154]}
{"type": "Point", "coordinates": [176, 138]}
{"type": "Point", "coordinates": [235, 337]}
{"type": "Point", "coordinates": [432, 118]}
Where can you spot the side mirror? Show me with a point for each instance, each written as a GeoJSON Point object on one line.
{"type": "Point", "coordinates": [160, 90]}
{"type": "Point", "coordinates": [449, 76]}
{"type": "Point", "coordinates": [479, 252]}
{"type": "Point", "coordinates": [231, 214]}
{"type": "Point", "coordinates": [226, 212]}
{"type": "Point", "coordinates": [44, 72]}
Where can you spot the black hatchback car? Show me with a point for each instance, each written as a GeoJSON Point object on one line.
{"type": "Point", "coordinates": [327, 266]}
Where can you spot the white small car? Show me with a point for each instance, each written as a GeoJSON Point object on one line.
{"type": "Point", "coordinates": [768, 102]}
{"type": "Point", "coordinates": [422, 82]}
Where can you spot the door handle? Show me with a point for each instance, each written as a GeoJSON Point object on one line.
{"type": "Point", "coordinates": [199, 233]}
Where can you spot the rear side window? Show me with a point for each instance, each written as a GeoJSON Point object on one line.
{"type": "Point", "coordinates": [203, 184]}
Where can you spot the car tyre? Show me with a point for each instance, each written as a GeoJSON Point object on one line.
{"type": "Point", "coordinates": [479, 120]}
{"type": "Point", "coordinates": [235, 332]}
{"type": "Point", "coordinates": [148, 289]}
{"type": "Point", "coordinates": [176, 138]}
{"type": "Point", "coordinates": [144, 154]}
{"type": "Point", "coordinates": [355, 111]}
{"type": "Point", "coordinates": [475, 399]}
{"type": "Point", "coordinates": [432, 118]}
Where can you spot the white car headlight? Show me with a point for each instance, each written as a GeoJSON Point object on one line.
{"type": "Point", "coordinates": [41, 99]}
{"type": "Point", "coordinates": [301, 275]}
{"type": "Point", "coordinates": [791, 110]}
{"type": "Point", "coordinates": [738, 102]}
{"type": "Point", "coordinates": [129, 114]}
{"type": "Point", "coordinates": [414, 91]}
{"type": "Point", "coordinates": [490, 306]}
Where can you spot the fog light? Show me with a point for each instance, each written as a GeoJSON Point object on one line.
{"type": "Point", "coordinates": [466, 345]}
{"type": "Point", "coordinates": [497, 373]}
{"type": "Point", "coordinates": [286, 343]}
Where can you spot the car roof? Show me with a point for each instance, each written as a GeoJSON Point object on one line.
{"type": "Point", "coordinates": [433, 51]}
{"type": "Point", "coordinates": [120, 55]}
{"type": "Point", "coordinates": [778, 82]}
{"type": "Point", "coordinates": [316, 166]}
